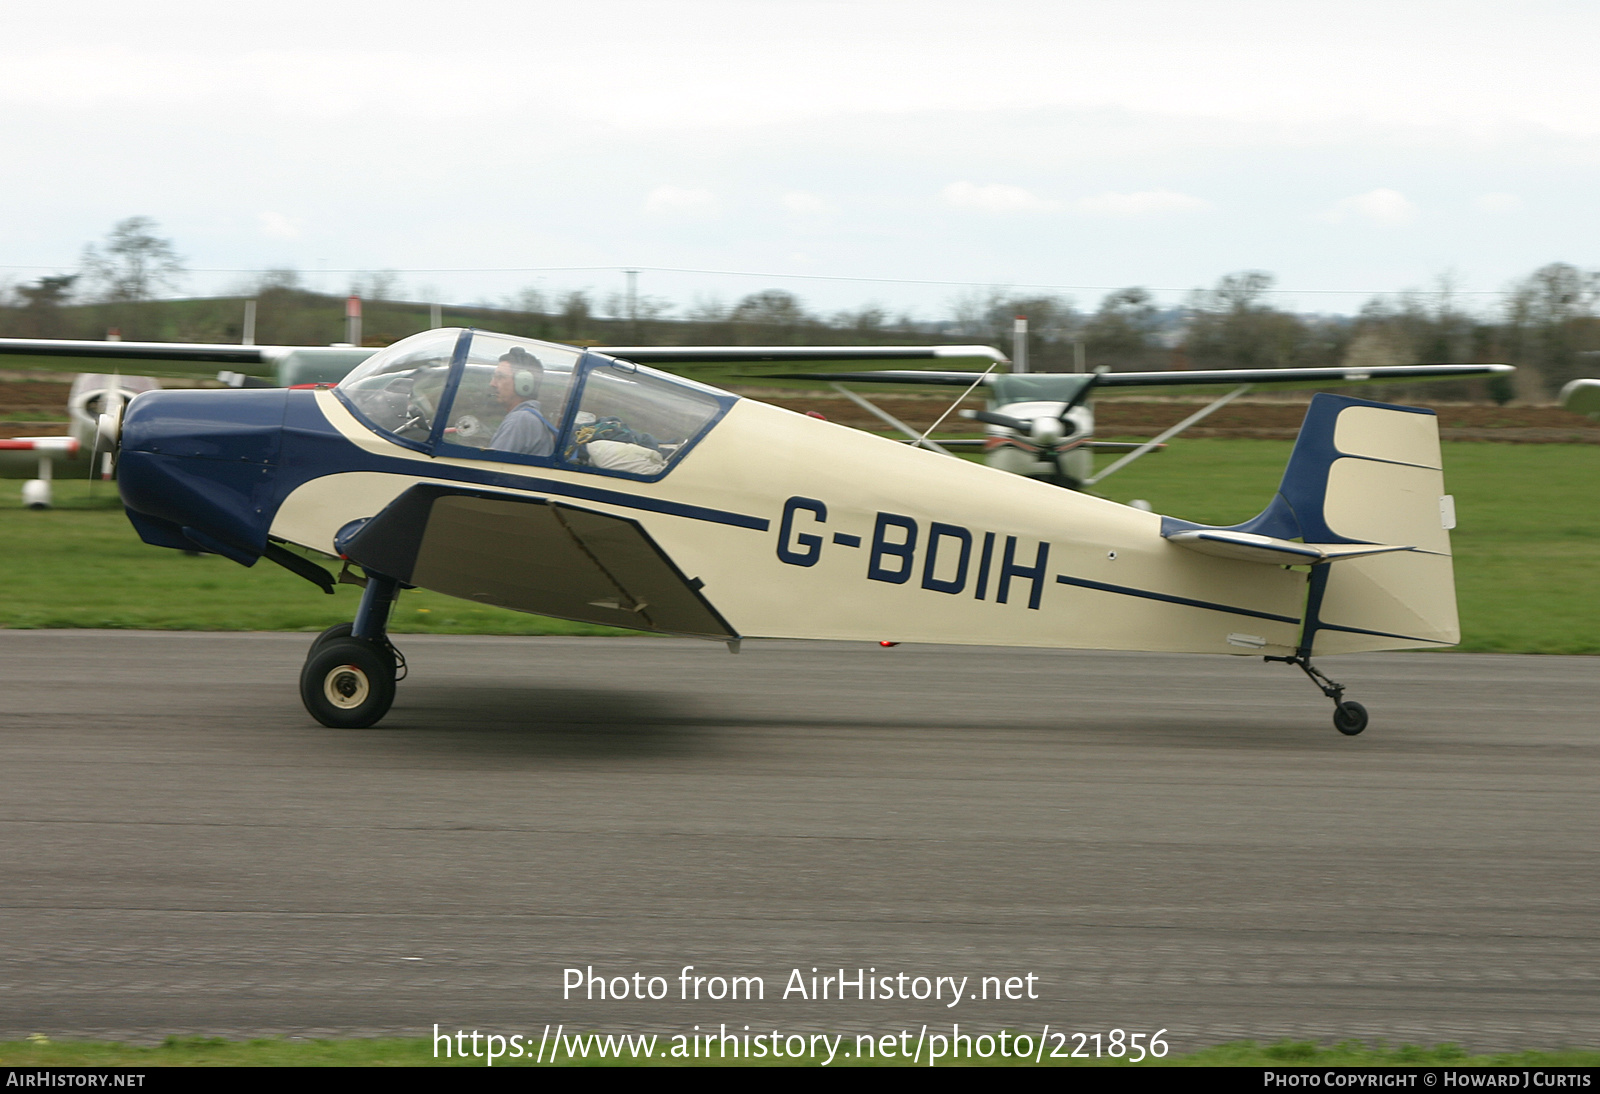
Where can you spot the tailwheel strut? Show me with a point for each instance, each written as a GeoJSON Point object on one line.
{"type": "Point", "coordinates": [1349, 716]}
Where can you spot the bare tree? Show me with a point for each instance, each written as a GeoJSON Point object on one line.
{"type": "Point", "coordinates": [1053, 325]}
{"type": "Point", "coordinates": [530, 301]}
{"type": "Point", "coordinates": [1551, 316]}
{"type": "Point", "coordinates": [1125, 330]}
{"type": "Point", "coordinates": [576, 311]}
{"type": "Point", "coordinates": [1231, 326]}
{"type": "Point", "coordinates": [41, 305]}
{"type": "Point", "coordinates": [133, 263]}
{"type": "Point", "coordinates": [377, 285]}
{"type": "Point", "coordinates": [772, 315]}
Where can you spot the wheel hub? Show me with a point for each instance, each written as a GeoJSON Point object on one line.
{"type": "Point", "coordinates": [346, 687]}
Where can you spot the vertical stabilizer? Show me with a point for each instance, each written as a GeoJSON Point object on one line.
{"type": "Point", "coordinates": [1369, 473]}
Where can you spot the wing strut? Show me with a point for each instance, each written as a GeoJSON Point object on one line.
{"type": "Point", "coordinates": [918, 439]}
{"type": "Point", "coordinates": [1173, 432]}
{"type": "Point", "coordinates": [926, 433]}
{"type": "Point", "coordinates": [873, 408]}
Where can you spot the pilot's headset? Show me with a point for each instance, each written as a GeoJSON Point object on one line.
{"type": "Point", "coordinates": [526, 372]}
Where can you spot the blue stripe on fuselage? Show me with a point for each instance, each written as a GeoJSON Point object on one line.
{"type": "Point", "coordinates": [167, 476]}
{"type": "Point", "coordinates": [1126, 590]}
{"type": "Point", "coordinates": [315, 449]}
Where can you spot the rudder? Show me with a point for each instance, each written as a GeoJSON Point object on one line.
{"type": "Point", "coordinates": [1369, 473]}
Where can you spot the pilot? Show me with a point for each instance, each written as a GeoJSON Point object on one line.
{"type": "Point", "coordinates": [525, 429]}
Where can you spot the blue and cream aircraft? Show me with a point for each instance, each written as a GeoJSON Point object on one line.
{"type": "Point", "coordinates": [588, 486]}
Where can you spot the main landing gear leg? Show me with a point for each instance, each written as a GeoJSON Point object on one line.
{"type": "Point", "coordinates": [1349, 716]}
{"type": "Point", "coordinates": [350, 672]}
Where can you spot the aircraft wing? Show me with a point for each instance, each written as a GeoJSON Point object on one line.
{"type": "Point", "coordinates": [19, 456]}
{"type": "Point", "coordinates": [533, 555]}
{"type": "Point", "coordinates": [285, 364]}
{"type": "Point", "coordinates": [842, 356]}
{"type": "Point", "coordinates": [1061, 386]}
{"type": "Point", "coordinates": [174, 353]}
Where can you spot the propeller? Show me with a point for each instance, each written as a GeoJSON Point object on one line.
{"type": "Point", "coordinates": [1046, 432]}
{"type": "Point", "coordinates": [108, 432]}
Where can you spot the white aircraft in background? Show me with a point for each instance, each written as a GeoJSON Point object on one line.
{"type": "Point", "coordinates": [1582, 397]}
{"type": "Point", "coordinates": [41, 459]}
{"type": "Point", "coordinates": [1041, 425]}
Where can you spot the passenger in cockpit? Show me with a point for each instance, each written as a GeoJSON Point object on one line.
{"type": "Point", "coordinates": [515, 383]}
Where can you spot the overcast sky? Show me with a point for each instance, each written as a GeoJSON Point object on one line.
{"type": "Point", "coordinates": [1340, 145]}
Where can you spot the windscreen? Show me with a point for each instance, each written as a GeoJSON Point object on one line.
{"type": "Point", "coordinates": [399, 389]}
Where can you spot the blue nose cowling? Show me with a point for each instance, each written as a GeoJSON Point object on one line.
{"type": "Point", "coordinates": [197, 468]}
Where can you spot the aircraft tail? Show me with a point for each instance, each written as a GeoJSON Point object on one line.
{"type": "Point", "coordinates": [1364, 491]}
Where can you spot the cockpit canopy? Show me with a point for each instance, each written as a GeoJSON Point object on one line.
{"type": "Point", "coordinates": [476, 395]}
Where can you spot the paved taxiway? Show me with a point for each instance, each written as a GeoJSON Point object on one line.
{"type": "Point", "coordinates": [1166, 842]}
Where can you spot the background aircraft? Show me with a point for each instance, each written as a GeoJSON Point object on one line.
{"type": "Point", "coordinates": [1040, 425]}
{"type": "Point", "coordinates": [40, 459]}
{"type": "Point", "coordinates": [663, 504]}
{"type": "Point", "coordinates": [77, 455]}
{"type": "Point", "coordinates": [1582, 397]}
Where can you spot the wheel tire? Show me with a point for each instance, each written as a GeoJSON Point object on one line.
{"type": "Point", "coordinates": [338, 630]}
{"type": "Point", "coordinates": [347, 683]}
{"type": "Point", "coordinates": [1350, 718]}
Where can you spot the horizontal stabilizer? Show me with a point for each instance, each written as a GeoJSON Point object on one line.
{"type": "Point", "coordinates": [1249, 547]}
{"type": "Point", "coordinates": [1363, 478]}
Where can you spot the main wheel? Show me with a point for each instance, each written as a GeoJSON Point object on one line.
{"type": "Point", "coordinates": [347, 683]}
{"type": "Point", "coordinates": [1350, 718]}
{"type": "Point", "coordinates": [338, 630]}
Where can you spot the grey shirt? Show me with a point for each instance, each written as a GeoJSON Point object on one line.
{"type": "Point", "coordinates": [525, 430]}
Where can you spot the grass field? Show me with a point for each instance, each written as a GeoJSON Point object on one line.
{"type": "Point", "coordinates": [418, 1052]}
{"type": "Point", "coordinates": [1527, 553]}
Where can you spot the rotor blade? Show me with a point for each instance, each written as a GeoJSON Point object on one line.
{"type": "Point", "coordinates": [1083, 393]}
{"type": "Point", "coordinates": [108, 428]}
{"type": "Point", "coordinates": [992, 418]}
{"type": "Point", "coordinates": [118, 405]}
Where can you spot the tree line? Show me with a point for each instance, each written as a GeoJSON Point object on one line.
{"type": "Point", "coordinates": [1548, 323]}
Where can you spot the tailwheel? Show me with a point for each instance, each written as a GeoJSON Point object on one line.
{"type": "Point", "coordinates": [348, 683]}
{"type": "Point", "coordinates": [1350, 718]}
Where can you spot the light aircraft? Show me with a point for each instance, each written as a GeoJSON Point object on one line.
{"type": "Point", "coordinates": [645, 500]}
{"type": "Point", "coordinates": [1042, 424]}
{"type": "Point", "coordinates": [41, 459]}
{"type": "Point", "coordinates": [38, 459]}
{"type": "Point", "coordinates": [1582, 397]}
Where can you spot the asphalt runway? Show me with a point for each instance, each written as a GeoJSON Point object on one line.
{"type": "Point", "coordinates": [1177, 843]}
